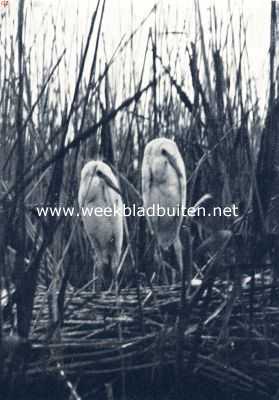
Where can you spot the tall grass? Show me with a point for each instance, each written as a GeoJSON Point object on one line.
{"type": "Point", "coordinates": [202, 96]}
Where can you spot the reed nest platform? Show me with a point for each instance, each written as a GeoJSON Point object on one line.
{"type": "Point", "coordinates": [230, 334]}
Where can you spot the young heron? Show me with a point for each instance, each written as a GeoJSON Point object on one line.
{"type": "Point", "coordinates": [99, 196]}
{"type": "Point", "coordinates": [164, 185]}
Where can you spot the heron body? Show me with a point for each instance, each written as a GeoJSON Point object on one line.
{"type": "Point", "coordinates": [99, 191]}
{"type": "Point", "coordinates": [164, 185]}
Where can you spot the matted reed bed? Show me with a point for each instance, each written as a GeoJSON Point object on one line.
{"type": "Point", "coordinates": [231, 334]}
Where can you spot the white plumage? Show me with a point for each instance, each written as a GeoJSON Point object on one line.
{"type": "Point", "coordinates": [164, 185]}
{"type": "Point", "coordinates": [99, 188]}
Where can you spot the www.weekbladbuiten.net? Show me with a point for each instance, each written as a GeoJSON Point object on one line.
{"type": "Point", "coordinates": [137, 211]}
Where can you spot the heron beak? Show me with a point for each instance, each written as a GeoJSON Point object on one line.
{"type": "Point", "coordinates": [173, 163]}
{"type": "Point", "coordinates": [109, 182]}
{"type": "Point", "coordinates": [93, 173]}
{"type": "Point", "coordinates": [90, 178]}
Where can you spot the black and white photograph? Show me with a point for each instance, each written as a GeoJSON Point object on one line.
{"type": "Point", "coordinates": [139, 200]}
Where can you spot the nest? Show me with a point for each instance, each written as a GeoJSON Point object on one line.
{"type": "Point", "coordinates": [229, 334]}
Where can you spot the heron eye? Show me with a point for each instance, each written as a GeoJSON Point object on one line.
{"type": "Point", "coordinates": [98, 173]}
{"type": "Point", "coordinates": [163, 152]}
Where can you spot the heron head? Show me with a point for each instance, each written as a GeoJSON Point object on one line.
{"type": "Point", "coordinates": [96, 176]}
{"type": "Point", "coordinates": [164, 154]}
{"type": "Point", "coordinates": [163, 162]}
{"type": "Point", "coordinates": [91, 182]}
{"type": "Point", "coordinates": [171, 160]}
{"type": "Point", "coordinates": [93, 176]}
{"type": "Point", "coordinates": [159, 165]}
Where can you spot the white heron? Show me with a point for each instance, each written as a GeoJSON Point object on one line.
{"type": "Point", "coordinates": [164, 185]}
{"type": "Point", "coordinates": [99, 196]}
